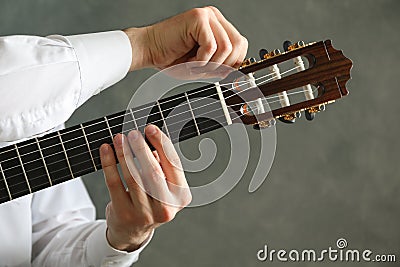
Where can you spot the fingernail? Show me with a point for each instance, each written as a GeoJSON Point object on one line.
{"type": "Point", "coordinates": [118, 140]}
{"type": "Point", "coordinates": [151, 129]}
{"type": "Point", "coordinates": [134, 135]}
{"type": "Point", "coordinates": [104, 149]}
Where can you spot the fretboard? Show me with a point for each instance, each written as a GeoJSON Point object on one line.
{"type": "Point", "coordinates": [54, 158]}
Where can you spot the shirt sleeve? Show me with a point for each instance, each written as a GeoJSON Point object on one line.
{"type": "Point", "coordinates": [64, 232]}
{"type": "Point", "coordinates": [44, 79]}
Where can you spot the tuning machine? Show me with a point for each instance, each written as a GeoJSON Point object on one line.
{"type": "Point", "coordinates": [264, 124]}
{"type": "Point", "coordinates": [248, 62]}
{"type": "Point", "coordinates": [264, 54]}
{"type": "Point", "coordinates": [288, 46]}
{"type": "Point", "coordinates": [310, 112]}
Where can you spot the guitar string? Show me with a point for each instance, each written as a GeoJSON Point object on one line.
{"type": "Point", "coordinates": [181, 97]}
{"type": "Point", "coordinates": [127, 122]}
{"type": "Point", "coordinates": [183, 128]}
{"type": "Point", "coordinates": [108, 138]}
{"type": "Point", "coordinates": [90, 160]}
{"type": "Point", "coordinates": [145, 117]}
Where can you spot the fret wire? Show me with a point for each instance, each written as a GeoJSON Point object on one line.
{"type": "Point", "coordinates": [195, 91]}
{"type": "Point", "coordinates": [162, 118]}
{"type": "Point", "coordinates": [191, 111]}
{"type": "Point", "coordinates": [5, 181]}
{"type": "Point", "coordinates": [155, 121]}
{"type": "Point", "coordinates": [88, 146]}
{"type": "Point", "coordinates": [174, 140]}
{"type": "Point", "coordinates": [22, 166]}
{"type": "Point", "coordinates": [171, 100]}
{"type": "Point", "coordinates": [107, 137]}
{"type": "Point", "coordinates": [65, 153]}
{"type": "Point", "coordinates": [44, 162]}
{"type": "Point", "coordinates": [62, 177]}
{"type": "Point", "coordinates": [134, 120]}
{"type": "Point", "coordinates": [109, 129]}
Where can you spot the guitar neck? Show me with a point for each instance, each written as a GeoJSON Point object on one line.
{"type": "Point", "coordinates": [60, 156]}
{"type": "Point", "coordinates": [41, 162]}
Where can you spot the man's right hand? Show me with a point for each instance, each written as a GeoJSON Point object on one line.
{"type": "Point", "coordinates": [200, 34]}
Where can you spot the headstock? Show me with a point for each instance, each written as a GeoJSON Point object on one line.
{"type": "Point", "coordinates": [320, 74]}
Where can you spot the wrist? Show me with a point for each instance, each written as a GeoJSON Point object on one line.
{"type": "Point", "coordinates": [140, 44]}
{"type": "Point", "coordinates": [126, 245]}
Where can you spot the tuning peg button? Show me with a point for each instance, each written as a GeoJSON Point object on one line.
{"type": "Point", "coordinates": [262, 53]}
{"type": "Point", "coordinates": [309, 115]}
{"type": "Point", "coordinates": [286, 45]}
{"type": "Point", "coordinates": [264, 124]}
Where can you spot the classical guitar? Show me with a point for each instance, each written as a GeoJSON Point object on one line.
{"type": "Point", "coordinates": [319, 74]}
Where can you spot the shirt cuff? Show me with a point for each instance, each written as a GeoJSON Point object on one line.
{"type": "Point", "coordinates": [100, 253]}
{"type": "Point", "coordinates": [104, 59]}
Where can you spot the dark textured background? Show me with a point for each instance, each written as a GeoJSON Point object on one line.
{"type": "Point", "coordinates": [335, 177]}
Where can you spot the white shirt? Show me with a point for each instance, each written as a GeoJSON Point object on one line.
{"type": "Point", "coordinates": [42, 82]}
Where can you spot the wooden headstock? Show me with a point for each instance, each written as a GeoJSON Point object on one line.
{"type": "Point", "coordinates": [328, 71]}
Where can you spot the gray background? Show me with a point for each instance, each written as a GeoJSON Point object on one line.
{"type": "Point", "coordinates": [335, 177]}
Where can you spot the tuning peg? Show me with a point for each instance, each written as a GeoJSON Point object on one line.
{"type": "Point", "coordinates": [310, 112]}
{"type": "Point", "coordinates": [248, 62]}
{"type": "Point", "coordinates": [290, 118]}
{"type": "Point", "coordinates": [264, 124]}
{"type": "Point", "coordinates": [309, 115]}
{"type": "Point", "coordinates": [286, 45]}
{"type": "Point", "coordinates": [262, 53]}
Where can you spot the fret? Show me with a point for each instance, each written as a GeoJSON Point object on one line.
{"type": "Point", "coordinates": [148, 114]}
{"type": "Point", "coordinates": [108, 127]}
{"type": "Point", "coordinates": [207, 109]}
{"type": "Point", "coordinates": [163, 119]}
{"type": "Point", "coordinates": [191, 111]}
{"type": "Point", "coordinates": [57, 157]}
{"type": "Point", "coordinates": [44, 162]}
{"type": "Point", "coordinates": [65, 153]}
{"type": "Point", "coordinates": [3, 187]}
{"type": "Point", "coordinates": [223, 104]}
{"type": "Point", "coordinates": [77, 152]}
{"type": "Point", "coordinates": [178, 118]}
{"type": "Point", "coordinates": [35, 168]}
{"type": "Point", "coordinates": [134, 120]}
{"type": "Point", "coordinates": [97, 134]}
{"type": "Point", "coordinates": [115, 122]}
{"type": "Point", "coordinates": [12, 172]}
{"type": "Point", "coordinates": [88, 147]}
{"type": "Point", "coordinates": [23, 168]}
{"type": "Point", "coordinates": [56, 162]}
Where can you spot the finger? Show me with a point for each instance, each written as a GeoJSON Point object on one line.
{"type": "Point", "coordinates": [156, 156]}
{"type": "Point", "coordinates": [224, 45]}
{"type": "Point", "coordinates": [129, 171]}
{"type": "Point", "coordinates": [204, 37]}
{"type": "Point", "coordinates": [152, 175]}
{"type": "Point", "coordinates": [169, 159]}
{"type": "Point", "coordinates": [116, 188]}
{"type": "Point", "coordinates": [239, 43]}
{"type": "Point", "coordinates": [242, 53]}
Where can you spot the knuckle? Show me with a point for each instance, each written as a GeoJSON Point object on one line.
{"type": "Point", "coordinates": [112, 182]}
{"type": "Point", "coordinates": [244, 42]}
{"type": "Point", "coordinates": [199, 13]}
{"type": "Point", "coordinates": [226, 47]}
{"type": "Point", "coordinates": [213, 8]}
{"type": "Point", "coordinates": [186, 198]}
{"type": "Point", "coordinates": [211, 47]}
{"type": "Point", "coordinates": [165, 214]}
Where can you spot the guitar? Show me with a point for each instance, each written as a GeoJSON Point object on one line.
{"type": "Point", "coordinates": [321, 73]}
